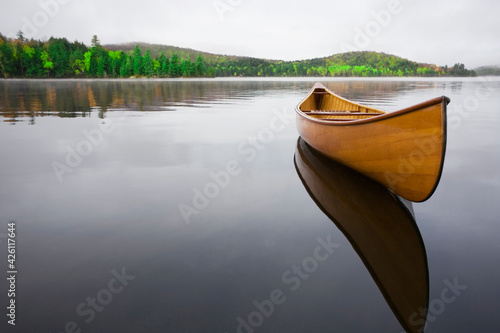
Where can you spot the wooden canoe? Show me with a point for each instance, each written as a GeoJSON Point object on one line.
{"type": "Point", "coordinates": [380, 227]}
{"type": "Point", "coordinates": [403, 150]}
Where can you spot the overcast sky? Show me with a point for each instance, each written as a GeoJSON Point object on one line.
{"type": "Point", "coordinates": [438, 32]}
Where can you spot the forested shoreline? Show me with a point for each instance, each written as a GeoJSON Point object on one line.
{"type": "Point", "coordinates": [59, 58]}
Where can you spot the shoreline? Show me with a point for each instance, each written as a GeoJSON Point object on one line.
{"type": "Point", "coordinates": [257, 78]}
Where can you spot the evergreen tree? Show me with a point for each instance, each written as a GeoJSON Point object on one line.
{"type": "Point", "coordinates": [95, 43]}
{"type": "Point", "coordinates": [102, 63]}
{"type": "Point", "coordinates": [114, 63]}
{"type": "Point", "coordinates": [188, 69]}
{"type": "Point", "coordinates": [201, 66]}
{"type": "Point", "coordinates": [28, 54]}
{"type": "Point", "coordinates": [164, 63]}
{"type": "Point", "coordinates": [137, 61]}
{"type": "Point", "coordinates": [148, 65]}
{"type": "Point", "coordinates": [126, 66]}
{"type": "Point", "coordinates": [58, 51]}
{"type": "Point", "coordinates": [174, 69]}
{"type": "Point", "coordinates": [7, 65]}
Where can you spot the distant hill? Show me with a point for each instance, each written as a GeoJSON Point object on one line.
{"type": "Point", "coordinates": [362, 63]}
{"type": "Point", "coordinates": [369, 59]}
{"type": "Point", "coordinates": [349, 58]}
{"type": "Point", "coordinates": [358, 64]}
{"type": "Point", "coordinates": [157, 49]}
{"type": "Point", "coordinates": [488, 70]}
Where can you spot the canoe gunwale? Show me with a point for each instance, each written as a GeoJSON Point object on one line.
{"type": "Point", "coordinates": [383, 115]}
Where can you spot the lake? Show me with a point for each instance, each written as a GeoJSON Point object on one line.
{"type": "Point", "coordinates": [191, 206]}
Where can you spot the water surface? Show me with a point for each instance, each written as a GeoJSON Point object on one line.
{"type": "Point", "coordinates": [175, 206]}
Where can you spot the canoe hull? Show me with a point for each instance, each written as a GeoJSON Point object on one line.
{"type": "Point", "coordinates": [402, 150]}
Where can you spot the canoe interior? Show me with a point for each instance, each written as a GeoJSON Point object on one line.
{"type": "Point", "coordinates": [322, 104]}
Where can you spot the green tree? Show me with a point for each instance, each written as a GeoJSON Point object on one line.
{"type": "Point", "coordinates": [459, 70]}
{"type": "Point", "coordinates": [147, 64]}
{"type": "Point", "coordinates": [126, 66]}
{"type": "Point", "coordinates": [164, 64]}
{"type": "Point", "coordinates": [188, 69]}
{"type": "Point", "coordinates": [322, 71]}
{"type": "Point", "coordinates": [95, 43]}
{"type": "Point", "coordinates": [137, 61]}
{"type": "Point", "coordinates": [77, 61]}
{"type": "Point", "coordinates": [201, 66]}
{"type": "Point", "coordinates": [20, 36]}
{"type": "Point", "coordinates": [87, 60]}
{"type": "Point", "coordinates": [28, 55]}
{"type": "Point", "coordinates": [102, 63]}
{"type": "Point", "coordinates": [174, 68]}
{"type": "Point", "coordinates": [47, 64]}
{"type": "Point", "coordinates": [115, 57]}
{"type": "Point", "coordinates": [18, 52]}
{"type": "Point", "coordinates": [8, 58]}
{"type": "Point", "coordinates": [58, 50]}
{"type": "Point", "coordinates": [97, 63]}
{"type": "Point", "coordinates": [156, 67]}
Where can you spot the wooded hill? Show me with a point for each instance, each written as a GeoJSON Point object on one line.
{"type": "Point", "coordinates": [362, 63]}
{"type": "Point", "coordinates": [157, 49]}
{"type": "Point", "coordinates": [57, 57]}
{"type": "Point", "coordinates": [488, 70]}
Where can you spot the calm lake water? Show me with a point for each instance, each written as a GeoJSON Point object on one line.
{"type": "Point", "coordinates": [191, 206]}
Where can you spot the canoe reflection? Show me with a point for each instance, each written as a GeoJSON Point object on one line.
{"type": "Point", "coordinates": [379, 226]}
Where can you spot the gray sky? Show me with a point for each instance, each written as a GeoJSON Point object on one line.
{"type": "Point", "coordinates": [440, 32]}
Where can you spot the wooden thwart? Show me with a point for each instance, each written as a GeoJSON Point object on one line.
{"type": "Point", "coordinates": [338, 119]}
{"type": "Point", "coordinates": [341, 113]}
